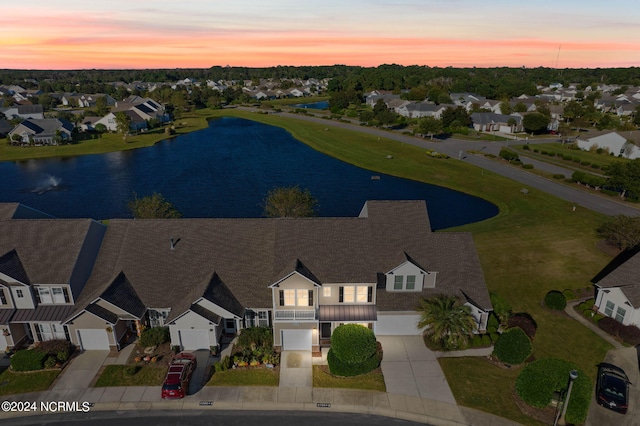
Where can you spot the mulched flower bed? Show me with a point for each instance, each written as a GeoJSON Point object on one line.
{"type": "Point", "coordinates": [162, 353]}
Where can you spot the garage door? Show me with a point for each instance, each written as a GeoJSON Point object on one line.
{"type": "Point", "coordinates": [296, 340]}
{"type": "Point", "coordinates": [3, 343]}
{"type": "Point", "coordinates": [397, 325]}
{"type": "Point", "coordinates": [194, 339]}
{"type": "Point", "coordinates": [93, 339]}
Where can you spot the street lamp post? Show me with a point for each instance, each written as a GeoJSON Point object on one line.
{"type": "Point", "coordinates": [573, 375]}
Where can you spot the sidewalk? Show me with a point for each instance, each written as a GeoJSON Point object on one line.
{"type": "Point", "coordinates": [569, 309]}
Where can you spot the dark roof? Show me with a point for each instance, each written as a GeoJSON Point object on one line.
{"type": "Point", "coordinates": [5, 315]}
{"type": "Point", "coordinates": [10, 265]}
{"type": "Point", "coordinates": [299, 267]}
{"type": "Point", "coordinates": [217, 292]}
{"type": "Point", "coordinates": [491, 117]}
{"type": "Point", "coordinates": [20, 211]}
{"type": "Point", "coordinates": [249, 255]}
{"type": "Point", "coordinates": [347, 313]}
{"type": "Point", "coordinates": [206, 314]}
{"type": "Point", "coordinates": [103, 313]}
{"type": "Point", "coordinates": [5, 127]}
{"type": "Point", "coordinates": [622, 272]}
{"type": "Point", "coordinates": [43, 313]}
{"type": "Point", "coordinates": [30, 109]}
{"type": "Point", "coordinates": [122, 294]}
{"type": "Point", "coordinates": [7, 210]}
{"type": "Point", "coordinates": [48, 248]}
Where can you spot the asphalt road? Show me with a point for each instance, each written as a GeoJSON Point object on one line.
{"type": "Point", "coordinates": [457, 149]}
{"type": "Point", "coordinates": [206, 418]}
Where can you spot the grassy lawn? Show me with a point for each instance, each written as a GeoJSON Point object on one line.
{"type": "Point", "coordinates": [33, 381]}
{"type": "Point", "coordinates": [249, 377]}
{"type": "Point", "coordinates": [370, 381]}
{"type": "Point", "coordinates": [120, 375]}
{"type": "Point", "coordinates": [591, 157]}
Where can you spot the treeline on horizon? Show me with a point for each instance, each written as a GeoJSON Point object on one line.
{"type": "Point", "coordinates": [493, 83]}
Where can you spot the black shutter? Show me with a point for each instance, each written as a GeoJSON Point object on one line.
{"type": "Point", "coordinates": [281, 297]}
{"type": "Point", "coordinates": [369, 294]}
{"type": "Point", "coordinates": [37, 294]}
{"type": "Point", "coordinates": [66, 333]}
{"type": "Point", "coordinates": [2, 298]}
{"type": "Point", "coordinates": [341, 295]}
{"type": "Point", "coordinates": [38, 335]}
{"type": "Point", "coordinates": [66, 295]}
{"type": "Point", "coordinates": [310, 297]}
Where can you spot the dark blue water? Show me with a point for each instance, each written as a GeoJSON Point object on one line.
{"type": "Point", "coordinates": [313, 105]}
{"type": "Point", "coordinates": [225, 170]}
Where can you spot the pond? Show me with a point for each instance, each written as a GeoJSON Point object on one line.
{"type": "Point", "coordinates": [225, 170]}
{"type": "Point", "coordinates": [313, 105]}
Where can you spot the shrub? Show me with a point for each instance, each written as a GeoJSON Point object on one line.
{"type": "Point", "coordinates": [252, 337]}
{"type": "Point", "coordinates": [630, 334]}
{"type": "Point", "coordinates": [567, 157]}
{"type": "Point", "coordinates": [585, 163]}
{"type": "Point", "coordinates": [513, 346]}
{"type": "Point", "coordinates": [354, 350]}
{"type": "Point", "coordinates": [586, 305]}
{"type": "Point", "coordinates": [494, 337]}
{"type": "Point", "coordinates": [527, 166]}
{"type": "Point", "coordinates": [492, 323]}
{"type": "Point", "coordinates": [50, 362]}
{"type": "Point", "coordinates": [486, 340]}
{"type": "Point", "coordinates": [525, 322]}
{"type": "Point", "coordinates": [154, 336]}
{"type": "Point", "coordinates": [28, 360]}
{"type": "Point", "coordinates": [60, 349]}
{"type": "Point", "coordinates": [610, 325]}
{"type": "Point", "coordinates": [569, 294]}
{"type": "Point", "coordinates": [526, 147]}
{"type": "Point", "coordinates": [341, 368]}
{"type": "Point", "coordinates": [508, 155]}
{"type": "Point", "coordinates": [555, 300]}
{"type": "Point", "coordinates": [536, 150]}
{"type": "Point", "coordinates": [538, 381]}
{"type": "Point", "coordinates": [597, 317]}
{"type": "Point", "coordinates": [558, 176]}
{"type": "Point", "coordinates": [476, 341]}
{"type": "Point", "coordinates": [595, 166]}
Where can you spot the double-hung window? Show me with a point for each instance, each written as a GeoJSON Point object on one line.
{"type": "Point", "coordinates": [608, 309]}
{"type": "Point", "coordinates": [289, 297]}
{"type": "Point", "coordinates": [398, 281]}
{"type": "Point", "coordinates": [620, 313]}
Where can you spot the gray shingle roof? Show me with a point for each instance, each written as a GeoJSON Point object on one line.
{"type": "Point", "coordinates": [206, 314]}
{"type": "Point", "coordinates": [248, 255]}
{"type": "Point", "coordinates": [103, 313]}
{"type": "Point", "coordinates": [121, 294]}
{"type": "Point", "coordinates": [11, 265]}
{"type": "Point", "coordinates": [622, 272]}
{"type": "Point", "coordinates": [48, 248]}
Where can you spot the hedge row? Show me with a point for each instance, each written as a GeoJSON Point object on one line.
{"type": "Point", "coordinates": [629, 333]}
{"type": "Point", "coordinates": [28, 360]}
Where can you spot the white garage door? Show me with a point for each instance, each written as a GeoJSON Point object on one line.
{"type": "Point", "coordinates": [397, 325]}
{"type": "Point", "coordinates": [296, 340]}
{"type": "Point", "coordinates": [93, 339]}
{"type": "Point", "coordinates": [194, 339]}
{"type": "Point", "coordinates": [3, 343]}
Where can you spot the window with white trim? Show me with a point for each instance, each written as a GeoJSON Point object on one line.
{"type": "Point", "coordinates": [411, 282]}
{"type": "Point", "coordinates": [398, 282]}
{"type": "Point", "coordinates": [608, 309]}
{"type": "Point", "coordinates": [289, 297]}
{"type": "Point", "coordinates": [303, 297]}
{"type": "Point", "coordinates": [349, 294]}
{"type": "Point", "coordinates": [362, 294]}
{"type": "Point", "coordinates": [620, 313]}
{"type": "Point", "coordinates": [326, 291]}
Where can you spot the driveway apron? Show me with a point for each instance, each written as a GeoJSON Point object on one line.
{"type": "Point", "coordinates": [296, 369]}
{"type": "Point", "coordinates": [410, 368]}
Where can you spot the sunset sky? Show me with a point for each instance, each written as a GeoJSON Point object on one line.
{"type": "Point", "coordinates": [79, 34]}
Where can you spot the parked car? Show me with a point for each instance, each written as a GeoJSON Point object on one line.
{"type": "Point", "coordinates": [612, 388]}
{"type": "Point", "coordinates": [181, 368]}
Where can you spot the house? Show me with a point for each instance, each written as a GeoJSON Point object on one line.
{"type": "Point", "coordinates": [618, 289]}
{"type": "Point", "coordinates": [421, 109]}
{"type": "Point", "coordinates": [24, 112]}
{"type": "Point", "coordinates": [620, 143]}
{"type": "Point", "coordinates": [44, 265]}
{"type": "Point", "coordinates": [48, 131]}
{"type": "Point", "coordinates": [136, 122]}
{"type": "Point", "coordinates": [491, 122]}
{"type": "Point", "coordinates": [207, 277]}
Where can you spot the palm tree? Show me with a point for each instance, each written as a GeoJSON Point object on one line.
{"type": "Point", "coordinates": [446, 321]}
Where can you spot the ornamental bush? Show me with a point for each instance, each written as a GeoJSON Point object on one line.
{"type": "Point", "coordinates": [537, 382]}
{"type": "Point", "coordinates": [354, 351]}
{"type": "Point", "coordinates": [508, 155]}
{"type": "Point", "coordinates": [28, 360]}
{"type": "Point", "coordinates": [610, 325]}
{"type": "Point", "coordinates": [59, 349]}
{"type": "Point", "coordinates": [513, 346]}
{"type": "Point", "coordinates": [555, 300]}
{"type": "Point", "coordinates": [154, 336]}
{"type": "Point", "coordinates": [630, 334]}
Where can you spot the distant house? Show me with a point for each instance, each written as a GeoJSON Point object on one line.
{"type": "Point", "coordinates": [24, 112]}
{"type": "Point", "coordinates": [491, 122]}
{"type": "Point", "coordinates": [140, 111]}
{"type": "Point", "coordinates": [618, 289]}
{"type": "Point", "coordinates": [421, 109]}
{"type": "Point", "coordinates": [48, 131]}
{"type": "Point", "coordinates": [619, 143]}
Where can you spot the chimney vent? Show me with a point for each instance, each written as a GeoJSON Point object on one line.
{"type": "Point", "coordinates": [173, 244]}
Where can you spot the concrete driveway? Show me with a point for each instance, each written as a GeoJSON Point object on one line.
{"type": "Point", "coordinates": [410, 368]}
{"type": "Point", "coordinates": [627, 359]}
{"type": "Point", "coordinates": [296, 369]}
{"type": "Point", "coordinates": [80, 372]}
{"type": "Point", "coordinates": [197, 378]}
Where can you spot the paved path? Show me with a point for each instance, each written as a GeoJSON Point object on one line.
{"type": "Point", "coordinates": [457, 148]}
{"type": "Point", "coordinates": [569, 309]}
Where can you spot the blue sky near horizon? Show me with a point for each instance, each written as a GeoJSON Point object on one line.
{"type": "Point", "coordinates": [67, 34]}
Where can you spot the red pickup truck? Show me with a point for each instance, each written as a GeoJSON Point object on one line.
{"type": "Point", "coordinates": [181, 368]}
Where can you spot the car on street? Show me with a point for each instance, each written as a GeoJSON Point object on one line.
{"type": "Point", "coordinates": [612, 388]}
{"type": "Point", "coordinates": [181, 368]}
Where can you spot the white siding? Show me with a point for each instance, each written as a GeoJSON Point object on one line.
{"type": "Point", "coordinates": [407, 269]}
{"type": "Point", "coordinates": [617, 297]}
{"type": "Point", "coordinates": [192, 321]}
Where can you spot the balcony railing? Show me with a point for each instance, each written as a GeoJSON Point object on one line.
{"type": "Point", "coordinates": [295, 314]}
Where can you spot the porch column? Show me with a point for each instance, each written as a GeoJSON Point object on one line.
{"type": "Point", "coordinates": [139, 327]}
